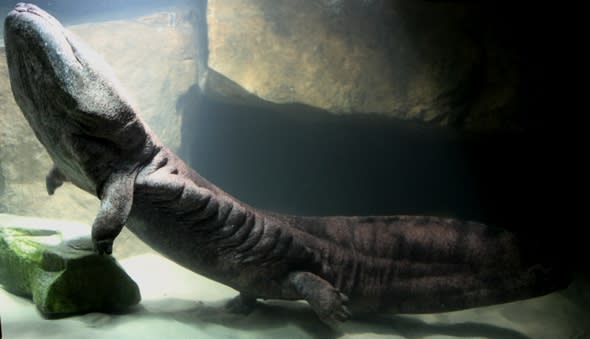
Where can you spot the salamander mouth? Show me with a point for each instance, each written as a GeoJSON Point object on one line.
{"type": "Point", "coordinates": [24, 8]}
{"type": "Point", "coordinates": [33, 13]}
{"type": "Point", "coordinates": [27, 21]}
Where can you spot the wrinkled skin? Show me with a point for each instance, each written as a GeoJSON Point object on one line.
{"type": "Point", "coordinates": [339, 265]}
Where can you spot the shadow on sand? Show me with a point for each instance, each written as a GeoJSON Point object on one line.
{"type": "Point", "coordinates": [277, 314]}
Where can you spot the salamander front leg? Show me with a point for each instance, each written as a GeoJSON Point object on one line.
{"type": "Point", "coordinates": [116, 200]}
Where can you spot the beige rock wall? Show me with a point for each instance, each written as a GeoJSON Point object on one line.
{"type": "Point", "coordinates": [154, 62]}
{"type": "Point", "coordinates": [424, 61]}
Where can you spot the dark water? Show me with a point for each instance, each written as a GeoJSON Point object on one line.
{"type": "Point", "coordinates": [322, 164]}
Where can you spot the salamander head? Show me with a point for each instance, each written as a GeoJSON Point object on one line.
{"type": "Point", "coordinates": [70, 97]}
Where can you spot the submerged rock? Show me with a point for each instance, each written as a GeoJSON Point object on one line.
{"type": "Point", "coordinates": [50, 262]}
{"type": "Point", "coordinates": [448, 64]}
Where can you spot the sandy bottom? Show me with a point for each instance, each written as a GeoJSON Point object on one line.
{"type": "Point", "coordinates": [179, 304]}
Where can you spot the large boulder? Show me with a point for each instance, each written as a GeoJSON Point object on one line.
{"type": "Point", "coordinates": [444, 63]}
{"type": "Point", "coordinates": [53, 262]}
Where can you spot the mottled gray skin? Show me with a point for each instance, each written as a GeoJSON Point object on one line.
{"type": "Point", "coordinates": [98, 141]}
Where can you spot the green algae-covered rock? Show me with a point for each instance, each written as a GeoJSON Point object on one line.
{"type": "Point", "coordinates": [49, 261]}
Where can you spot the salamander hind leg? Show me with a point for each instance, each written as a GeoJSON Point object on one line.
{"type": "Point", "coordinates": [325, 299]}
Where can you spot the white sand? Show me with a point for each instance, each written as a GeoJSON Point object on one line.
{"type": "Point", "coordinates": [179, 304]}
